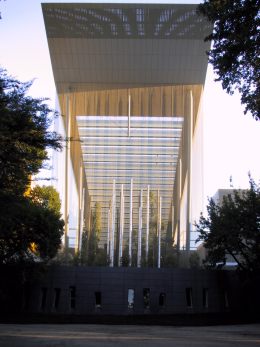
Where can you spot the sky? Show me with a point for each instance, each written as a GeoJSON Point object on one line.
{"type": "Point", "coordinates": [231, 139]}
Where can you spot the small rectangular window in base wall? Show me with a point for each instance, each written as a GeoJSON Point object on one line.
{"type": "Point", "coordinates": [131, 298]}
{"type": "Point", "coordinates": [162, 299]}
{"type": "Point", "coordinates": [72, 297]}
{"type": "Point", "coordinates": [98, 299]}
{"type": "Point", "coordinates": [146, 297]}
{"type": "Point", "coordinates": [56, 300]}
{"type": "Point", "coordinates": [43, 298]}
{"type": "Point", "coordinates": [205, 297]}
{"type": "Point", "coordinates": [189, 297]}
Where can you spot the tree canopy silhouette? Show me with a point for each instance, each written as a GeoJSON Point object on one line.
{"type": "Point", "coordinates": [29, 228]}
{"type": "Point", "coordinates": [24, 134]}
{"type": "Point", "coordinates": [232, 227]}
{"type": "Point", "coordinates": [235, 52]}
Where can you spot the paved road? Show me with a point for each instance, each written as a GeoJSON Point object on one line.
{"type": "Point", "coordinates": [14, 335]}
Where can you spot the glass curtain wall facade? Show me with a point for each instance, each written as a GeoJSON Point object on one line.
{"type": "Point", "coordinates": [129, 80]}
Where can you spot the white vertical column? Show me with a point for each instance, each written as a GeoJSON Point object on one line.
{"type": "Point", "coordinates": [130, 222]}
{"type": "Point", "coordinates": [108, 230]}
{"type": "Point", "coordinates": [147, 223]}
{"type": "Point", "coordinates": [129, 115]}
{"type": "Point", "coordinates": [121, 231]}
{"type": "Point", "coordinates": [112, 240]}
{"type": "Point", "coordinates": [179, 204]}
{"type": "Point", "coordinates": [189, 173]}
{"type": "Point", "coordinates": [67, 170]}
{"type": "Point", "coordinates": [158, 210]}
{"type": "Point", "coordinates": [159, 232]}
{"type": "Point", "coordinates": [82, 213]}
{"type": "Point", "coordinates": [78, 234]}
{"type": "Point", "coordinates": [139, 246]}
{"type": "Point", "coordinates": [172, 221]}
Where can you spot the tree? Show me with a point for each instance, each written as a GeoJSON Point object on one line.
{"type": "Point", "coordinates": [171, 258]}
{"type": "Point", "coordinates": [47, 197]}
{"type": "Point", "coordinates": [96, 226]}
{"type": "Point", "coordinates": [233, 227]}
{"type": "Point", "coordinates": [235, 54]}
{"type": "Point", "coordinates": [84, 248]}
{"type": "Point", "coordinates": [94, 235]}
{"type": "Point", "coordinates": [1, 13]}
{"type": "Point", "coordinates": [153, 239]}
{"type": "Point", "coordinates": [28, 231]}
{"type": "Point", "coordinates": [194, 260]}
{"type": "Point", "coordinates": [29, 226]}
{"type": "Point", "coordinates": [101, 258]}
{"type": "Point", "coordinates": [24, 135]}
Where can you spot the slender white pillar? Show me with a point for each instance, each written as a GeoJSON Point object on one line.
{"type": "Point", "coordinates": [158, 210]}
{"type": "Point", "coordinates": [78, 235]}
{"type": "Point", "coordinates": [108, 230]}
{"type": "Point", "coordinates": [121, 231]}
{"type": "Point", "coordinates": [112, 240]}
{"type": "Point", "coordinates": [189, 171]}
{"type": "Point", "coordinates": [139, 246]}
{"type": "Point", "coordinates": [147, 223]}
{"type": "Point", "coordinates": [129, 115]}
{"type": "Point", "coordinates": [130, 223]}
{"type": "Point", "coordinates": [67, 169]}
{"type": "Point", "coordinates": [179, 204]}
{"type": "Point", "coordinates": [172, 221]}
{"type": "Point", "coordinates": [159, 232]}
{"type": "Point", "coordinates": [82, 218]}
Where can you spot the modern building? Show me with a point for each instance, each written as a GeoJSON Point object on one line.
{"type": "Point", "coordinates": [129, 80]}
{"type": "Point", "coordinates": [224, 192]}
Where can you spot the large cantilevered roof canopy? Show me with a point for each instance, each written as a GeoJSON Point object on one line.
{"type": "Point", "coordinates": [113, 45]}
{"type": "Point", "coordinates": [97, 47]}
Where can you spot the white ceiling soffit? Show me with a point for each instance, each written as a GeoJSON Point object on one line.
{"type": "Point", "coordinates": [114, 45]}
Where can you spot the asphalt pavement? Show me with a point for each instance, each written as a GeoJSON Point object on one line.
{"type": "Point", "coordinates": [90, 335]}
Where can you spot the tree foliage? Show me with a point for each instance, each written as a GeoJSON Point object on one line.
{"type": "Point", "coordinates": [235, 54]}
{"type": "Point", "coordinates": [153, 239]}
{"type": "Point", "coordinates": [30, 225]}
{"type": "Point", "coordinates": [233, 228]}
{"type": "Point", "coordinates": [96, 222]}
{"type": "Point", "coordinates": [1, 12]}
{"type": "Point", "coordinates": [47, 197]}
{"type": "Point", "coordinates": [23, 224]}
{"type": "Point", "coordinates": [24, 135]}
{"type": "Point", "coordinates": [94, 253]}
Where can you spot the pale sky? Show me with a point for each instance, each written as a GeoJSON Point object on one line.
{"type": "Point", "coordinates": [231, 139]}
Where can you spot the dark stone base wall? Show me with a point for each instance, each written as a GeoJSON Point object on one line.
{"type": "Point", "coordinates": [67, 291]}
{"type": "Point", "coordinates": [97, 290]}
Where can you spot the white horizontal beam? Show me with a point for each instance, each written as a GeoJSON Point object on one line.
{"type": "Point", "coordinates": [129, 150]}
{"type": "Point", "coordinates": [136, 122]}
{"type": "Point", "coordinates": [129, 141]}
{"type": "Point", "coordinates": [135, 132]}
{"type": "Point", "coordinates": [151, 158]}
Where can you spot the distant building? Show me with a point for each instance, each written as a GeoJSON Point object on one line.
{"type": "Point", "coordinates": [130, 80]}
{"type": "Point", "coordinates": [220, 193]}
